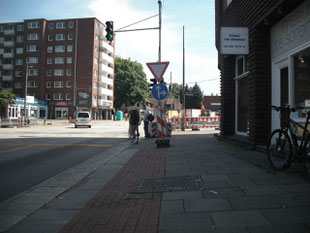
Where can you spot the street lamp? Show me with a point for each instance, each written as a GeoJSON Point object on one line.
{"type": "Point", "coordinates": [26, 85]}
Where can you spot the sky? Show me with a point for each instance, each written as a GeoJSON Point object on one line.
{"type": "Point", "coordinates": [197, 17]}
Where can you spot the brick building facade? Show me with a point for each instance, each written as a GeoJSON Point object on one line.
{"type": "Point", "coordinates": [276, 71]}
{"type": "Point", "coordinates": [70, 65]}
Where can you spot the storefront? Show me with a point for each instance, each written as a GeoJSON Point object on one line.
{"type": "Point", "coordinates": [35, 109]}
{"type": "Point", "coordinates": [61, 110]}
{"type": "Point", "coordinates": [290, 54]}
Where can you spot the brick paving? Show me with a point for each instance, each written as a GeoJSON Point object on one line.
{"type": "Point", "coordinates": [114, 209]}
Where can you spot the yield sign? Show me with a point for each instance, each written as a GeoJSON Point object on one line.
{"type": "Point", "coordinates": [158, 69]}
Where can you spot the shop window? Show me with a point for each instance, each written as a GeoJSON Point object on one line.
{"type": "Point", "coordinates": [302, 81]}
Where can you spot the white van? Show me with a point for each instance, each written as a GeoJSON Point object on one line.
{"type": "Point", "coordinates": [82, 119]}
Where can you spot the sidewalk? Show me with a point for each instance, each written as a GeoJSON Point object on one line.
{"type": "Point", "coordinates": [198, 184]}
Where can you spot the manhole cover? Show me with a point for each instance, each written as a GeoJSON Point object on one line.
{"type": "Point", "coordinates": [170, 184]}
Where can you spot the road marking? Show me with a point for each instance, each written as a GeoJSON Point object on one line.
{"type": "Point", "coordinates": [18, 148]}
{"type": "Point", "coordinates": [49, 144]}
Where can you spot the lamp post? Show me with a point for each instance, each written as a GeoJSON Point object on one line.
{"type": "Point", "coordinates": [26, 86]}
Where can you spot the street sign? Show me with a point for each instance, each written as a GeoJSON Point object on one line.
{"type": "Point", "coordinates": [159, 91]}
{"type": "Point", "coordinates": [158, 69]}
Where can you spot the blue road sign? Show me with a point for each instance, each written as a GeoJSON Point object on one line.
{"type": "Point", "coordinates": [159, 91]}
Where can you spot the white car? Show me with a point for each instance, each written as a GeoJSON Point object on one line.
{"type": "Point", "coordinates": [82, 119]}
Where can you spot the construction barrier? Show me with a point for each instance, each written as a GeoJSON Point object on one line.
{"type": "Point", "coordinates": [195, 122]}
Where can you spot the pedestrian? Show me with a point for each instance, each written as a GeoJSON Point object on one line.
{"type": "Point", "coordinates": [134, 118]}
{"type": "Point", "coordinates": [146, 121]}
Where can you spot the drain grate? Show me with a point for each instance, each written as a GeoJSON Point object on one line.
{"type": "Point", "coordinates": [169, 184]}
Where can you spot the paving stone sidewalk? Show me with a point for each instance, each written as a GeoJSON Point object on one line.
{"type": "Point", "coordinates": [214, 187]}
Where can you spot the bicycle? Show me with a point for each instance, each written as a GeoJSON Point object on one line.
{"type": "Point", "coordinates": [280, 151]}
{"type": "Point", "coordinates": [134, 135]}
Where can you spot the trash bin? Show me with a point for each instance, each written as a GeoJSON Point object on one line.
{"type": "Point", "coordinates": [119, 116]}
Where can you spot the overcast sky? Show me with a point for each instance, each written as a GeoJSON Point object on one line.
{"type": "Point", "coordinates": [196, 16]}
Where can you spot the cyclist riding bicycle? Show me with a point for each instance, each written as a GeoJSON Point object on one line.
{"type": "Point", "coordinates": [134, 119]}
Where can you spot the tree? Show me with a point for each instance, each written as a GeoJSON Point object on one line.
{"type": "Point", "coordinates": [5, 99]}
{"type": "Point", "coordinates": [193, 96]}
{"type": "Point", "coordinates": [174, 90]}
{"type": "Point", "coordinates": [130, 83]}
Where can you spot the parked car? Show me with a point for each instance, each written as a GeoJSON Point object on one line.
{"type": "Point", "coordinates": [82, 119]}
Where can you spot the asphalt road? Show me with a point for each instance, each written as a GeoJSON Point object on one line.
{"type": "Point", "coordinates": [29, 156]}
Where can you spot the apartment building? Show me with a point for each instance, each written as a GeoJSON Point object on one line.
{"type": "Point", "coordinates": [70, 66]}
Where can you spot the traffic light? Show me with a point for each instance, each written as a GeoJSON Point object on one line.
{"type": "Point", "coordinates": [153, 82]}
{"type": "Point", "coordinates": [109, 30]}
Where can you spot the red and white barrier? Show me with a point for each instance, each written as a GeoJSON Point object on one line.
{"type": "Point", "coordinates": [195, 122]}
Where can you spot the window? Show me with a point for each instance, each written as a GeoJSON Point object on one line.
{"type": "Point", "coordinates": [58, 84]}
{"type": "Point", "coordinates": [19, 39]}
{"type": "Point", "coordinates": [32, 48]}
{"type": "Point", "coordinates": [58, 96]}
{"type": "Point", "coordinates": [59, 60]}
{"type": "Point", "coordinates": [96, 49]}
{"type": "Point", "coordinates": [32, 37]}
{"type": "Point", "coordinates": [33, 25]}
{"type": "Point", "coordinates": [19, 50]}
{"type": "Point", "coordinates": [71, 24]}
{"type": "Point", "coordinates": [18, 62]}
{"type": "Point", "coordinates": [18, 84]}
{"type": "Point", "coordinates": [32, 59]}
{"type": "Point", "coordinates": [10, 27]}
{"type": "Point", "coordinates": [69, 60]}
{"type": "Point", "coordinates": [60, 37]}
{"type": "Point", "coordinates": [48, 96]}
{"type": "Point", "coordinates": [96, 73]}
{"type": "Point", "coordinates": [32, 72]}
{"type": "Point", "coordinates": [97, 25]}
{"type": "Point", "coordinates": [68, 84]}
{"type": "Point", "coordinates": [59, 49]}
{"type": "Point", "coordinates": [69, 48]}
{"type": "Point", "coordinates": [68, 96]}
{"type": "Point", "coordinates": [228, 2]}
{"type": "Point", "coordinates": [95, 84]}
{"type": "Point", "coordinates": [97, 37]}
{"type": "Point", "coordinates": [49, 60]}
{"type": "Point", "coordinates": [241, 65]}
{"type": "Point", "coordinates": [50, 37]}
{"type": "Point", "coordinates": [49, 73]}
{"type": "Point", "coordinates": [49, 49]}
{"type": "Point", "coordinates": [69, 72]}
{"type": "Point", "coordinates": [20, 27]}
{"type": "Point", "coordinates": [70, 36]}
{"type": "Point", "coordinates": [18, 73]}
{"type": "Point", "coordinates": [32, 84]}
{"type": "Point", "coordinates": [96, 60]}
{"type": "Point", "coordinates": [48, 84]}
{"type": "Point", "coordinates": [51, 25]}
{"type": "Point", "coordinates": [1, 28]}
{"type": "Point", "coordinates": [60, 25]}
{"type": "Point", "coordinates": [58, 72]}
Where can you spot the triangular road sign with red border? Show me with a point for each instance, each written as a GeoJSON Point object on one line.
{"type": "Point", "coordinates": [158, 69]}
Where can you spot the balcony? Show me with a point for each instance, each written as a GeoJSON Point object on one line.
{"type": "Point", "coordinates": [105, 45]}
{"type": "Point", "coordinates": [7, 77]}
{"type": "Point", "coordinates": [105, 69]}
{"type": "Point", "coordinates": [104, 91]}
{"type": "Point", "coordinates": [8, 55]}
{"type": "Point", "coordinates": [104, 103]}
{"type": "Point", "coordinates": [9, 32]}
{"type": "Point", "coordinates": [106, 57]}
{"type": "Point", "coordinates": [7, 89]}
{"type": "Point", "coordinates": [7, 66]}
{"type": "Point", "coordinates": [8, 43]}
{"type": "Point", "coordinates": [105, 79]}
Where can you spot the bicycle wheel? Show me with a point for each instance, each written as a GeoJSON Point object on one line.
{"type": "Point", "coordinates": [306, 160]}
{"type": "Point", "coordinates": [137, 135]}
{"type": "Point", "coordinates": [279, 150]}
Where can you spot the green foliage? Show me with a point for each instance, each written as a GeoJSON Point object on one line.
{"type": "Point", "coordinates": [130, 83]}
{"type": "Point", "coordinates": [193, 96]}
{"type": "Point", "coordinates": [6, 98]}
{"type": "Point", "coordinates": [174, 90]}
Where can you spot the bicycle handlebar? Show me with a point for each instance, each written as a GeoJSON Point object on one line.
{"type": "Point", "coordinates": [285, 108]}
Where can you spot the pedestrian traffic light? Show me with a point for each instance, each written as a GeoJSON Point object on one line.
{"type": "Point", "coordinates": [153, 82]}
{"type": "Point", "coordinates": [109, 30]}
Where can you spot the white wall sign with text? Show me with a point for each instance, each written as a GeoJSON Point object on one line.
{"type": "Point", "coordinates": [234, 40]}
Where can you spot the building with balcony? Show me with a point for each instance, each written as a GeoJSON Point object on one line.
{"type": "Point", "coordinates": [264, 59]}
{"type": "Point", "coordinates": [70, 65]}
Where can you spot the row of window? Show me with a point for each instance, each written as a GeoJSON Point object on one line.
{"type": "Point", "coordinates": [35, 24]}
{"type": "Point", "coordinates": [35, 48]}
{"type": "Point", "coordinates": [58, 84]}
{"type": "Point", "coordinates": [34, 72]}
{"type": "Point", "coordinates": [58, 96]}
{"type": "Point", "coordinates": [35, 60]}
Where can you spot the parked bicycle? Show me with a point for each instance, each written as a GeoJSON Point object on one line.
{"type": "Point", "coordinates": [134, 137]}
{"type": "Point", "coordinates": [287, 144]}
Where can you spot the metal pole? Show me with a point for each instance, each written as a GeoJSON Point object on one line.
{"type": "Point", "coordinates": [26, 82]}
{"type": "Point", "coordinates": [159, 50]}
{"type": "Point", "coordinates": [183, 120]}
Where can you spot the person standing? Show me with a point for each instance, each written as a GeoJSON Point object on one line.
{"type": "Point", "coordinates": [146, 121]}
